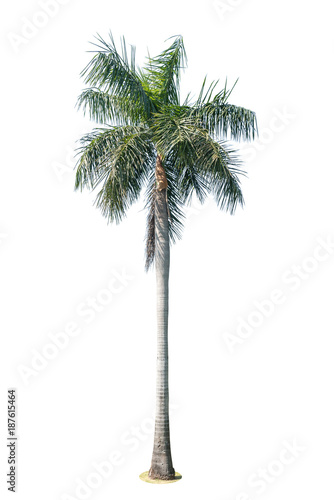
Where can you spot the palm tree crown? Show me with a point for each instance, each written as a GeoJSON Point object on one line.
{"type": "Point", "coordinates": [142, 119]}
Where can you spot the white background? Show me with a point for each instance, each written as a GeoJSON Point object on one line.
{"type": "Point", "coordinates": [233, 408]}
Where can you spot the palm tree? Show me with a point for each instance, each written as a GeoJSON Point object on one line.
{"type": "Point", "coordinates": [149, 139]}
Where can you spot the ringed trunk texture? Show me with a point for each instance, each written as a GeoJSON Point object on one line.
{"type": "Point", "coordinates": [161, 465]}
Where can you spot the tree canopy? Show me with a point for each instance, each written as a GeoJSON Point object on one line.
{"type": "Point", "coordinates": [141, 116]}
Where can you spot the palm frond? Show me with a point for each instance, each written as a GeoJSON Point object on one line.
{"type": "Point", "coordinates": [202, 164]}
{"type": "Point", "coordinates": [228, 120]}
{"type": "Point", "coordinates": [181, 153]}
{"type": "Point", "coordinates": [119, 159]}
{"type": "Point", "coordinates": [220, 167]}
{"type": "Point", "coordinates": [105, 108]}
{"type": "Point", "coordinates": [174, 200]}
{"type": "Point", "coordinates": [163, 72]}
{"type": "Point", "coordinates": [112, 73]}
{"type": "Point", "coordinates": [191, 181]}
{"type": "Point", "coordinates": [221, 118]}
{"type": "Point", "coordinates": [222, 171]}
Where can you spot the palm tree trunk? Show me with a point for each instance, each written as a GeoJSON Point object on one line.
{"type": "Point", "coordinates": [162, 466]}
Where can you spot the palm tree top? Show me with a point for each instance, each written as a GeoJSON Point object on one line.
{"type": "Point", "coordinates": [142, 118]}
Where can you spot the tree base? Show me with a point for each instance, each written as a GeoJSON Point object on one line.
{"type": "Point", "coordinates": [144, 477]}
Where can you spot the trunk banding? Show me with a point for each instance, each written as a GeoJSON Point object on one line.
{"type": "Point", "coordinates": [162, 466]}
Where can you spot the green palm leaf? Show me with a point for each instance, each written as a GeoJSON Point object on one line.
{"type": "Point", "coordinates": [112, 72]}
{"type": "Point", "coordinates": [119, 159]}
{"type": "Point", "coordinates": [221, 118]}
{"type": "Point", "coordinates": [203, 164]}
{"type": "Point", "coordinates": [105, 108]}
{"type": "Point", "coordinates": [162, 73]}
